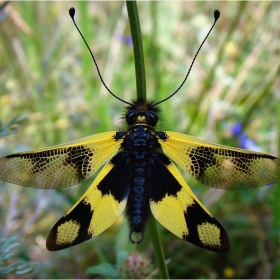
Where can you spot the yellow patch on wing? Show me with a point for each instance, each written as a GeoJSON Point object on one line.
{"type": "Point", "coordinates": [186, 217]}
{"type": "Point", "coordinates": [209, 234]}
{"type": "Point", "coordinates": [59, 166]}
{"type": "Point", "coordinates": [106, 211]}
{"type": "Point", "coordinates": [221, 166]}
{"type": "Point", "coordinates": [67, 232]}
{"type": "Point", "coordinates": [170, 213]}
{"type": "Point", "coordinates": [90, 216]}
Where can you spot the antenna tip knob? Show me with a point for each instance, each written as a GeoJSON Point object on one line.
{"type": "Point", "coordinates": [216, 14]}
{"type": "Point", "coordinates": [72, 12]}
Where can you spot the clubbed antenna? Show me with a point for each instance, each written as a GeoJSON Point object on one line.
{"type": "Point", "coordinates": [216, 17]}
{"type": "Point", "coordinates": [72, 15]}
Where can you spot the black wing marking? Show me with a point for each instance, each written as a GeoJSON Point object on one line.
{"type": "Point", "coordinates": [176, 207]}
{"type": "Point", "coordinates": [98, 209]}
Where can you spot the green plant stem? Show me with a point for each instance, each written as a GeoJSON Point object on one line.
{"type": "Point", "coordinates": [137, 49]}
{"type": "Point", "coordinates": [141, 93]}
{"type": "Point", "coordinates": [157, 248]}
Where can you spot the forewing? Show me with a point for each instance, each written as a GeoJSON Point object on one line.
{"type": "Point", "coordinates": [220, 166]}
{"type": "Point", "coordinates": [59, 166]}
{"type": "Point", "coordinates": [98, 209]}
{"type": "Point", "coordinates": [176, 207]}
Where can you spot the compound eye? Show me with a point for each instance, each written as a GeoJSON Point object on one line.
{"type": "Point", "coordinates": [131, 117]}
{"type": "Point", "coordinates": [152, 118]}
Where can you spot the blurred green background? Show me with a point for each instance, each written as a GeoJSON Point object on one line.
{"type": "Point", "coordinates": [50, 93]}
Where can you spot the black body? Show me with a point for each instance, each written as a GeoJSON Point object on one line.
{"type": "Point", "coordinates": [140, 147]}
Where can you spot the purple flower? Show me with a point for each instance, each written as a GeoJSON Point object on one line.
{"type": "Point", "coordinates": [125, 39]}
{"type": "Point", "coordinates": [244, 142]}
{"type": "Point", "coordinates": [237, 129]}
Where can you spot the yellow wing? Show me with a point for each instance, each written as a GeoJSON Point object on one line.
{"type": "Point", "coordinates": [59, 166]}
{"type": "Point", "coordinates": [176, 207]}
{"type": "Point", "coordinates": [220, 166]}
{"type": "Point", "coordinates": [98, 208]}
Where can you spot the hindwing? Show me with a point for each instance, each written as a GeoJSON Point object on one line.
{"type": "Point", "coordinates": [59, 166]}
{"type": "Point", "coordinates": [176, 207]}
{"type": "Point", "coordinates": [220, 166]}
{"type": "Point", "coordinates": [98, 208]}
